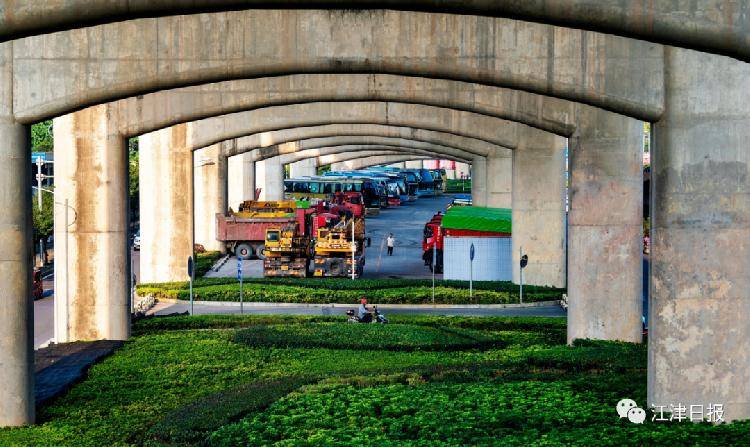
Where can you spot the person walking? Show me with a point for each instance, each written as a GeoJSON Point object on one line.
{"type": "Point", "coordinates": [390, 242]}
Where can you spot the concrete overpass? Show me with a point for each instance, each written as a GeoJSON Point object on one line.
{"type": "Point", "coordinates": [698, 102]}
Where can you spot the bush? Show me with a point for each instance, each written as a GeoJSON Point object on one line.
{"type": "Point", "coordinates": [346, 291]}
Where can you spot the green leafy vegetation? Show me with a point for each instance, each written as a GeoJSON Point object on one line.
{"type": "Point", "coordinates": [204, 261]}
{"type": "Point", "coordinates": [185, 381]}
{"type": "Point", "coordinates": [43, 219]}
{"type": "Point", "coordinates": [322, 291]}
{"type": "Point", "coordinates": [395, 337]}
{"type": "Point", "coordinates": [41, 137]}
{"type": "Point", "coordinates": [458, 186]}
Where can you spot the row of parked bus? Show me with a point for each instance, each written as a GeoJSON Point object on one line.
{"type": "Point", "coordinates": [380, 187]}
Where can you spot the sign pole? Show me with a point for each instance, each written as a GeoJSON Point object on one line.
{"type": "Point", "coordinates": [190, 273]}
{"type": "Point", "coordinates": [239, 276]}
{"type": "Point", "coordinates": [434, 262]}
{"type": "Point", "coordinates": [354, 247]}
{"type": "Point", "coordinates": [471, 271]}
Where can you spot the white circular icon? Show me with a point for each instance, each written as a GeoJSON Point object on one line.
{"type": "Point", "coordinates": [624, 405]}
{"type": "Point", "coordinates": [637, 415]}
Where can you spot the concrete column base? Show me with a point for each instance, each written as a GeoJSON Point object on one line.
{"type": "Point", "coordinates": [166, 176]}
{"type": "Point", "coordinates": [269, 175]}
{"type": "Point", "coordinates": [303, 168]}
{"type": "Point", "coordinates": [92, 256]}
{"type": "Point", "coordinates": [240, 179]}
{"type": "Point", "coordinates": [699, 315]}
{"type": "Point", "coordinates": [16, 304]}
{"type": "Point", "coordinates": [210, 183]}
{"type": "Point", "coordinates": [538, 207]}
{"type": "Point", "coordinates": [605, 276]}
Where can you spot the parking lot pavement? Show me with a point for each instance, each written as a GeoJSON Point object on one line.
{"type": "Point", "coordinates": [406, 222]}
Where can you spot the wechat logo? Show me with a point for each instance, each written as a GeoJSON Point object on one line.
{"type": "Point", "coordinates": [627, 408]}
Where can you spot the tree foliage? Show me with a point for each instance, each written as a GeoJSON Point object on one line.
{"type": "Point", "coordinates": [41, 137]}
{"type": "Point", "coordinates": [44, 218]}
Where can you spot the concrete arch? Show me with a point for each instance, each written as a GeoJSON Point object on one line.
{"type": "Point", "coordinates": [143, 114]}
{"type": "Point", "coordinates": [303, 144]}
{"type": "Point", "coordinates": [710, 26]}
{"type": "Point", "coordinates": [611, 72]}
{"type": "Point", "coordinates": [355, 163]}
{"type": "Point", "coordinates": [210, 131]}
{"type": "Point", "coordinates": [281, 138]}
{"type": "Point", "coordinates": [363, 151]}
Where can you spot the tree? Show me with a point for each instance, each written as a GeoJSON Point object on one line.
{"type": "Point", "coordinates": [44, 218]}
{"type": "Point", "coordinates": [133, 189]}
{"type": "Point", "coordinates": [41, 137]}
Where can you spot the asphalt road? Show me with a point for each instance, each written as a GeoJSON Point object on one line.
{"type": "Point", "coordinates": [233, 308]}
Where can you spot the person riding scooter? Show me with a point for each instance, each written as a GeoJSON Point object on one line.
{"type": "Point", "coordinates": [363, 314]}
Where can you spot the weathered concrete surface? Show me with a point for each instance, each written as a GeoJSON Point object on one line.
{"type": "Point", "coordinates": [288, 140]}
{"type": "Point", "coordinates": [141, 114]}
{"type": "Point", "coordinates": [466, 124]}
{"type": "Point", "coordinates": [479, 181]}
{"type": "Point", "coordinates": [93, 268]}
{"type": "Point", "coordinates": [499, 180]}
{"type": "Point", "coordinates": [55, 73]}
{"type": "Point", "coordinates": [699, 335]}
{"type": "Point", "coordinates": [399, 165]}
{"type": "Point", "coordinates": [302, 168]}
{"type": "Point", "coordinates": [166, 191]}
{"type": "Point", "coordinates": [605, 228]}
{"type": "Point", "coordinates": [463, 170]}
{"type": "Point", "coordinates": [417, 164]}
{"type": "Point", "coordinates": [346, 150]}
{"type": "Point", "coordinates": [16, 304]}
{"type": "Point", "coordinates": [538, 207]}
{"type": "Point", "coordinates": [210, 190]}
{"type": "Point", "coordinates": [269, 175]}
{"type": "Point", "coordinates": [295, 147]}
{"type": "Point", "coordinates": [240, 179]}
{"type": "Point", "coordinates": [711, 26]}
{"type": "Point", "coordinates": [372, 160]}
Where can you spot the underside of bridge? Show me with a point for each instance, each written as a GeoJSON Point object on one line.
{"type": "Point", "coordinates": [545, 101]}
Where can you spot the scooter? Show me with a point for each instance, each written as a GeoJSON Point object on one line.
{"type": "Point", "coordinates": [374, 317]}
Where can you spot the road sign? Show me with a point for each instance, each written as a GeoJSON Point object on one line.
{"type": "Point", "coordinates": [524, 261]}
{"type": "Point", "coordinates": [190, 266]}
{"type": "Point", "coordinates": [471, 252]}
{"type": "Point", "coordinates": [239, 269]}
{"type": "Point", "coordinates": [471, 271]}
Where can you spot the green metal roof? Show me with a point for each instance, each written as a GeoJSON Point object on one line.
{"type": "Point", "coordinates": [478, 218]}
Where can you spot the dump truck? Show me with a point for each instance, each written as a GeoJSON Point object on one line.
{"type": "Point", "coordinates": [244, 231]}
{"type": "Point", "coordinates": [287, 251]}
{"type": "Point", "coordinates": [462, 221]}
{"type": "Point", "coordinates": [340, 249]}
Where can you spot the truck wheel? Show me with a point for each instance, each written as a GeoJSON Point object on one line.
{"type": "Point", "coordinates": [259, 251]}
{"type": "Point", "coordinates": [243, 251]}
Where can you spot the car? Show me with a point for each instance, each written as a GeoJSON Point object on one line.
{"type": "Point", "coordinates": [37, 285]}
{"type": "Point", "coordinates": [137, 241]}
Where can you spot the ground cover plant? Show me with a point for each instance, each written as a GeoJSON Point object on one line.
{"type": "Point", "coordinates": [183, 381]}
{"type": "Point", "coordinates": [334, 290]}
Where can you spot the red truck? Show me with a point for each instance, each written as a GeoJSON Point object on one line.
{"type": "Point", "coordinates": [244, 231]}
{"type": "Point", "coordinates": [433, 240]}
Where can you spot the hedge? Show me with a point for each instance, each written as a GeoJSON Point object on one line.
{"type": "Point", "coordinates": [347, 291]}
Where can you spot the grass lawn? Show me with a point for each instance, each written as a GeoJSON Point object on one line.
{"type": "Point", "coordinates": [420, 381]}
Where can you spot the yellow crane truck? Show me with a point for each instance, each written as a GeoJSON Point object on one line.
{"type": "Point", "coordinates": [287, 251]}
{"type": "Point", "coordinates": [339, 250]}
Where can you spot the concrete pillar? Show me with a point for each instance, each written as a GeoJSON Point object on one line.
{"type": "Point", "coordinates": [463, 170]}
{"type": "Point", "coordinates": [538, 207]}
{"type": "Point", "coordinates": [166, 187]}
{"type": "Point", "coordinates": [414, 164]}
{"type": "Point", "coordinates": [210, 183]}
{"type": "Point", "coordinates": [240, 179]}
{"type": "Point", "coordinates": [499, 178]}
{"type": "Point", "coordinates": [479, 181]}
{"type": "Point", "coordinates": [16, 304]}
{"type": "Point", "coordinates": [699, 315]}
{"type": "Point", "coordinates": [605, 229]}
{"type": "Point", "coordinates": [269, 175]}
{"type": "Point", "coordinates": [303, 168]}
{"type": "Point", "coordinates": [92, 256]}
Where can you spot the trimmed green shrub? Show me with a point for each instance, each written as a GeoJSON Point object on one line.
{"type": "Point", "coordinates": [390, 337]}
